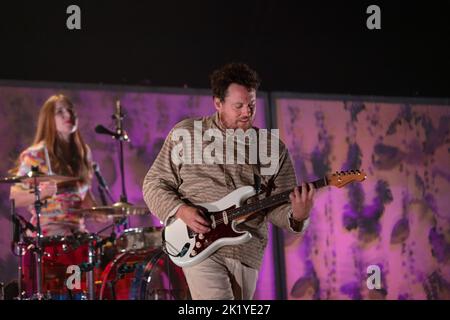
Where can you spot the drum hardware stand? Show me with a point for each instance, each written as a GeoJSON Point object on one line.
{"type": "Point", "coordinates": [90, 274]}
{"type": "Point", "coordinates": [17, 246]}
{"type": "Point", "coordinates": [38, 251]}
{"type": "Point", "coordinates": [90, 282]}
{"type": "Point", "coordinates": [112, 237]}
{"type": "Point", "coordinates": [121, 224]}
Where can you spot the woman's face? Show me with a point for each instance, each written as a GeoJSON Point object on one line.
{"type": "Point", "coordinates": [65, 119]}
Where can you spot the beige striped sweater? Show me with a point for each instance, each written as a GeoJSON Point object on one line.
{"type": "Point", "coordinates": [168, 185]}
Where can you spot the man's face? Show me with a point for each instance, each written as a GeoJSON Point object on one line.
{"type": "Point", "coordinates": [239, 108]}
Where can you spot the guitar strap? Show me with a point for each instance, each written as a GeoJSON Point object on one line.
{"type": "Point", "coordinates": [261, 185]}
{"type": "Point", "coordinates": [257, 168]}
{"type": "Point", "coordinates": [257, 175]}
{"type": "Point", "coordinates": [257, 179]}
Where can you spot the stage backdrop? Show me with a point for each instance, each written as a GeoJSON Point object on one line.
{"type": "Point", "coordinates": [397, 220]}
{"type": "Point", "coordinates": [150, 114]}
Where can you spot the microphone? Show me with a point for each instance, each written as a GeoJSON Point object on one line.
{"type": "Point", "coordinates": [102, 185]}
{"type": "Point", "coordinates": [102, 195]}
{"type": "Point", "coordinates": [118, 116]}
{"type": "Point", "coordinates": [103, 130]}
{"type": "Point", "coordinates": [99, 176]}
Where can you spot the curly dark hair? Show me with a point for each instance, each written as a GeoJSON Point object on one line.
{"type": "Point", "coordinates": [239, 73]}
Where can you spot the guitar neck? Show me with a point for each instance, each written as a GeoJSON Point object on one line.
{"type": "Point", "coordinates": [269, 202]}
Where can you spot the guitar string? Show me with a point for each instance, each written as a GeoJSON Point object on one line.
{"type": "Point", "coordinates": [272, 200]}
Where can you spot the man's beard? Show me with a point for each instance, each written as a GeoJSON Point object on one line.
{"type": "Point", "coordinates": [238, 124]}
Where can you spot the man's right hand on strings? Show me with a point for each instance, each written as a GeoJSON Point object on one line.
{"type": "Point", "coordinates": [193, 218]}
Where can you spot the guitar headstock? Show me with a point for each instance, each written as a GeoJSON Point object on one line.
{"type": "Point", "coordinates": [342, 178]}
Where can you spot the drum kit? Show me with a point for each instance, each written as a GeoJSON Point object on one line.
{"type": "Point", "coordinates": [130, 265]}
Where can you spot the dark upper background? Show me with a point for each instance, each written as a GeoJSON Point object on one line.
{"type": "Point", "coordinates": [302, 46]}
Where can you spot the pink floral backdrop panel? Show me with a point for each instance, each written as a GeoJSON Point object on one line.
{"type": "Point", "coordinates": [397, 220]}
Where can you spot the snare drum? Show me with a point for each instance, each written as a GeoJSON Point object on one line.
{"type": "Point", "coordinates": [59, 252]}
{"type": "Point", "coordinates": [139, 239]}
{"type": "Point", "coordinates": [143, 275]}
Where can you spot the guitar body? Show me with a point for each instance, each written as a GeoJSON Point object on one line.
{"type": "Point", "coordinates": [186, 249]}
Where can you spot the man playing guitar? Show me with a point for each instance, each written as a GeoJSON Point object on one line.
{"type": "Point", "coordinates": [171, 189]}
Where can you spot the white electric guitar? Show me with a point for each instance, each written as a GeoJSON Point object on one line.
{"type": "Point", "coordinates": [187, 248]}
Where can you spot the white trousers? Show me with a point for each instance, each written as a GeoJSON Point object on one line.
{"type": "Point", "coordinates": [218, 278]}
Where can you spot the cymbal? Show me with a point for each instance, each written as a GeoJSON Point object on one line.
{"type": "Point", "coordinates": [63, 223]}
{"type": "Point", "coordinates": [118, 209]}
{"type": "Point", "coordinates": [33, 176]}
{"type": "Point", "coordinates": [10, 180]}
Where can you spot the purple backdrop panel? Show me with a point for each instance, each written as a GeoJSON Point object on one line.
{"type": "Point", "coordinates": [149, 117]}
{"type": "Point", "coordinates": [398, 220]}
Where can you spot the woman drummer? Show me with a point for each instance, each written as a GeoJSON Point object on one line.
{"type": "Point", "coordinates": [58, 149]}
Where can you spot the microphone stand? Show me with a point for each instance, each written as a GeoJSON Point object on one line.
{"type": "Point", "coordinates": [121, 137]}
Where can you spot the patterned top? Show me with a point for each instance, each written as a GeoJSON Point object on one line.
{"type": "Point", "coordinates": [168, 185]}
{"type": "Point", "coordinates": [55, 218]}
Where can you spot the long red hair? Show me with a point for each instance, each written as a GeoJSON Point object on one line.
{"type": "Point", "coordinates": [77, 165]}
